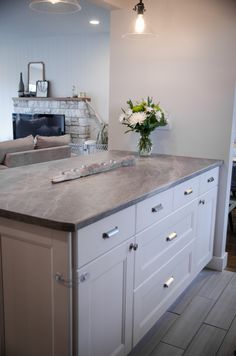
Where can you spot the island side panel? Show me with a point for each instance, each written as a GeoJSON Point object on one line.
{"type": "Point", "coordinates": [2, 339]}
{"type": "Point", "coordinates": [36, 308]}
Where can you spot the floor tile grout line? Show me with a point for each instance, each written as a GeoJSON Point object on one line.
{"type": "Point", "coordinates": [202, 322]}
{"type": "Point", "coordinates": [222, 290]}
{"type": "Point", "coordinates": [213, 326]}
{"type": "Point", "coordinates": [162, 336]}
{"type": "Point", "coordinates": [189, 341]}
{"type": "Point", "coordinates": [227, 331]}
{"type": "Point", "coordinates": [166, 343]}
{"type": "Point", "coordinates": [214, 306]}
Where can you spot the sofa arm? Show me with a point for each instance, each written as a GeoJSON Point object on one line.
{"type": "Point", "coordinates": [17, 159]}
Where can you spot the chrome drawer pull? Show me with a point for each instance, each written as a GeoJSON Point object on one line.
{"type": "Point", "coordinates": [210, 180]}
{"type": "Point", "coordinates": [168, 283]}
{"type": "Point", "coordinates": [108, 234]}
{"type": "Point", "coordinates": [188, 191]}
{"type": "Point", "coordinates": [157, 208]}
{"type": "Point", "coordinates": [172, 236]}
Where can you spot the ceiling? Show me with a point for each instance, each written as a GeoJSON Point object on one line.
{"type": "Point", "coordinates": [18, 20]}
{"type": "Point", "coordinates": [114, 4]}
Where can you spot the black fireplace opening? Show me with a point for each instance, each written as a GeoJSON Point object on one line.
{"type": "Point", "coordinates": [38, 124]}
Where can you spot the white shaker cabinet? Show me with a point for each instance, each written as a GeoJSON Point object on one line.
{"type": "Point", "coordinates": [165, 254]}
{"type": "Point", "coordinates": [124, 291]}
{"type": "Point", "coordinates": [105, 303]}
{"type": "Point", "coordinates": [101, 288]}
{"type": "Point", "coordinates": [205, 229]}
{"type": "Point", "coordinates": [206, 218]}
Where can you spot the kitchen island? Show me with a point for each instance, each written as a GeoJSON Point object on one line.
{"type": "Point", "coordinates": [88, 266]}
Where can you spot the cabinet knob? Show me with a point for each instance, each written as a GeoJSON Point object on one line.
{"type": "Point", "coordinates": [133, 247]}
{"type": "Point", "coordinates": [108, 234]}
{"type": "Point", "coordinates": [83, 277]}
{"type": "Point", "coordinates": [157, 208]}
{"type": "Point", "coordinates": [202, 201]}
{"type": "Point", "coordinates": [188, 191]}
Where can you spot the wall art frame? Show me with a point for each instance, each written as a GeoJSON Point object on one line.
{"type": "Point", "coordinates": [42, 87]}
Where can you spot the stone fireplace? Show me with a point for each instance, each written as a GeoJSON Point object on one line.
{"type": "Point", "coordinates": [76, 111]}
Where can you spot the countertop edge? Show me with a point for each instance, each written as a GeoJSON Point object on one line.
{"type": "Point", "coordinates": [145, 196]}
{"type": "Point", "coordinates": [71, 227]}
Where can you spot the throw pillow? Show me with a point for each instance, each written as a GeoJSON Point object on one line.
{"type": "Point", "coordinates": [18, 145]}
{"type": "Point", "coordinates": [52, 141]}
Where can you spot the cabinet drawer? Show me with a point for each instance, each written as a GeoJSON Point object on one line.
{"type": "Point", "coordinates": [159, 243]}
{"type": "Point", "coordinates": [209, 180]}
{"type": "Point", "coordinates": [154, 209]}
{"type": "Point", "coordinates": [103, 235]}
{"type": "Point", "coordinates": [154, 296]}
{"type": "Point", "coordinates": [186, 192]}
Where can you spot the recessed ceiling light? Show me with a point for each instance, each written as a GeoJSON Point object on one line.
{"type": "Point", "coordinates": [55, 6]}
{"type": "Point", "coordinates": [94, 22]}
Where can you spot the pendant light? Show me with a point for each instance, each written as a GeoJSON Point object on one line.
{"type": "Point", "coordinates": [140, 29]}
{"type": "Point", "coordinates": [55, 6]}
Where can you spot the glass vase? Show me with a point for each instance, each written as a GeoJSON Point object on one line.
{"type": "Point", "coordinates": [144, 145]}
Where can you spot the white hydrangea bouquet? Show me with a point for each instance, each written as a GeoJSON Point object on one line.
{"type": "Point", "coordinates": [143, 117]}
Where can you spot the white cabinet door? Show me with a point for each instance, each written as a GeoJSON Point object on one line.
{"type": "Point", "coordinates": [205, 228]}
{"type": "Point", "coordinates": [105, 303]}
{"type": "Point", "coordinates": [36, 320]}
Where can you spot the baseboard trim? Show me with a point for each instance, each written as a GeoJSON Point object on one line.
{"type": "Point", "coordinates": [218, 263]}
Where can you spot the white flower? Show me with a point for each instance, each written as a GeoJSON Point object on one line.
{"type": "Point", "coordinates": [122, 117]}
{"type": "Point", "coordinates": [158, 115]}
{"type": "Point", "coordinates": [128, 112]}
{"type": "Point", "coordinates": [149, 109]}
{"type": "Point", "coordinates": [137, 118]}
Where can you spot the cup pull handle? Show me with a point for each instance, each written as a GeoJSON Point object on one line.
{"type": "Point", "coordinates": [168, 283]}
{"type": "Point", "coordinates": [172, 236]}
{"type": "Point", "coordinates": [157, 208]}
{"type": "Point", "coordinates": [188, 191]}
{"type": "Point", "coordinates": [210, 180]}
{"type": "Point", "coordinates": [108, 234]}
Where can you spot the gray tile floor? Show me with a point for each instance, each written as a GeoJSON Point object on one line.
{"type": "Point", "coordinates": [202, 322]}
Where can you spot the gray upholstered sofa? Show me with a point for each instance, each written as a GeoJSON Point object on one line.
{"type": "Point", "coordinates": [27, 150]}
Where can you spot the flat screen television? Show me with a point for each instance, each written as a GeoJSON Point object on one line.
{"type": "Point", "coordinates": [38, 124]}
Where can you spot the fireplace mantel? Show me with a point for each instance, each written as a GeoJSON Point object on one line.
{"type": "Point", "coordinates": [67, 98]}
{"type": "Point", "coordinates": [76, 112]}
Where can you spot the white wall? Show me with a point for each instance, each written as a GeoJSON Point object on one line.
{"type": "Point", "coordinates": [191, 69]}
{"type": "Point", "coordinates": [76, 57]}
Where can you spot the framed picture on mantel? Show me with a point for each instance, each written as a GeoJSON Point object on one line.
{"type": "Point", "coordinates": [42, 88]}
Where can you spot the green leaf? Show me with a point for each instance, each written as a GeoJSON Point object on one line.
{"type": "Point", "coordinates": [129, 102]}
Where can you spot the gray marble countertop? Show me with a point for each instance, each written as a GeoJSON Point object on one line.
{"type": "Point", "coordinates": [27, 194]}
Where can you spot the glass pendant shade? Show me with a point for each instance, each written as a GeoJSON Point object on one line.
{"type": "Point", "coordinates": [139, 29]}
{"type": "Point", "coordinates": [55, 6]}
